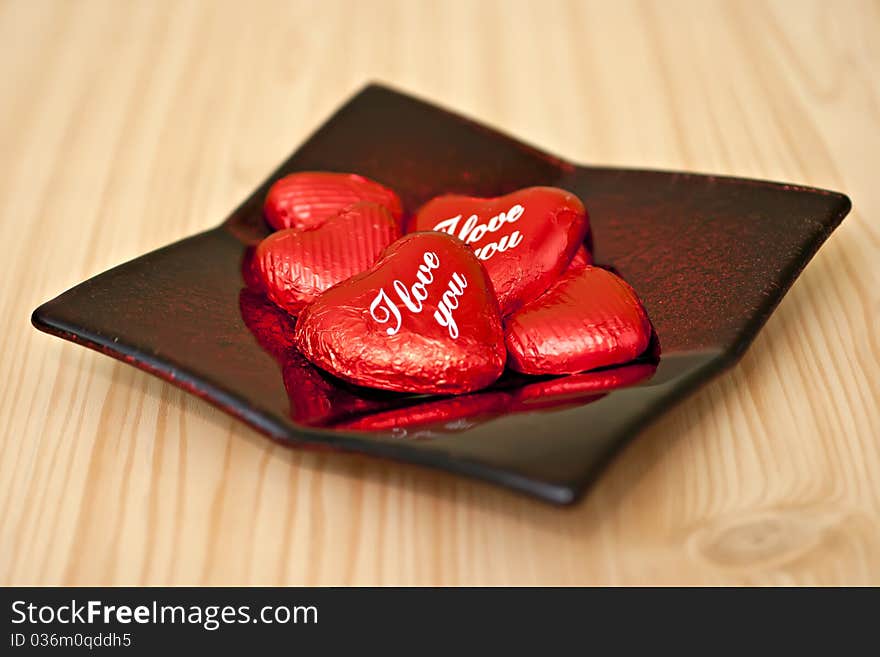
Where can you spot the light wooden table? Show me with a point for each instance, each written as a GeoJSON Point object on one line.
{"type": "Point", "coordinates": [127, 125]}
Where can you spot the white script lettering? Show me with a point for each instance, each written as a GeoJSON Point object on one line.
{"type": "Point", "coordinates": [471, 232]}
{"type": "Point", "coordinates": [449, 302]}
{"type": "Point", "coordinates": [383, 308]}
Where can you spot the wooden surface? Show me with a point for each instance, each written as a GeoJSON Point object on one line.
{"type": "Point", "coordinates": [127, 125]}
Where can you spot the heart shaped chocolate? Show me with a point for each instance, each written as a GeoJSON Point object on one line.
{"type": "Point", "coordinates": [305, 200]}
{"type": "Point", "coordinates": [295, 266]}
{"type": "Point", "coordinates": [424, 319]}
{"type": "Point", "coordinates": [590, 318]}
{"type": "Point", "coordinates": [525, 239]}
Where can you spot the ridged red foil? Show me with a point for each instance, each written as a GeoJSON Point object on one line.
{"type": "Point", "coordinates": [305, 200]}
{"type": "Point", "coordinates": [525, 239]}
{"type": "Point", "coordinates": [590, 318]}
{"type": "Point", "coordinates": [295, 266]}
{"type": "Point", "coordinates": [424, 319]}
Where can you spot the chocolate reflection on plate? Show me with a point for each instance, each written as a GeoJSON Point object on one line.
{"type": "Point", "coordinates": [580, 389]}
{"type": "Point", "coordinates": [315, 400]}
{"type": "Point", "coordinates": [434, 416]}
{"type": "Point", "coordinates": [320, 400]}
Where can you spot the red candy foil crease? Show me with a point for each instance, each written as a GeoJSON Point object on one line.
{"type": "Point", "coordinates": [581, 259]}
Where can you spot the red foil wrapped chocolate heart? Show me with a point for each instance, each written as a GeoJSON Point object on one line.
{"type": "Point", "coordinates": [424, 318]}
{"type": "Point", "coordinates": [525, 239]}
{"type": "Point", "coordinates": [305, 200]}
{"type": "Point", "coordinates": [296, 266]}
{"type": "Point", "coordinates": [590, 318]}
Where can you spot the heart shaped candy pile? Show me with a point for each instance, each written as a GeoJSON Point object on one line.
{"type": "Point", "coordinates": [477, 284]}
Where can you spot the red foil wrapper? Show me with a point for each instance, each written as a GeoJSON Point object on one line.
{"type": "Point", "coordinates": [305, 200]}
{"type": "Point", "coordinates": [589, 319]}
{"type": "Point", "coordinates": [525, 239]}
{"type": "Point", "coordinates": [422, 319]}
{"type": "Point", "coordinates": [581, 259]}
{"type": "Point", "coordinates": [296, 266]}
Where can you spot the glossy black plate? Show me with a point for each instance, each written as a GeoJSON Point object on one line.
{"type": "Point", "coordinates": [710, 256]}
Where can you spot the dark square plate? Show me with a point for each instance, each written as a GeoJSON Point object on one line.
{"type": "Point", "coordinates": [710, 256]}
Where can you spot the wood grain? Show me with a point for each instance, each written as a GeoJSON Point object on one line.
{"type": "Point", "coordinates": [127, 125]}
